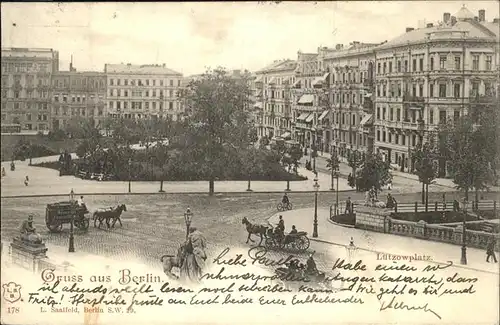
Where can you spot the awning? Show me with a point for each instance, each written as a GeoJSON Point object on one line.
{"type": "Point", "coordinates": [306, 99]}
{"type": "Point", "coordinates": [320, 80]}
{"type": "Point", "coordinates": [367, 120]}
{"type": "Point", "coordinates": [296, 84]}
{"type": "Point", "coordinates": [322, 116]}
{"type": "Point", "coordinates": [258, 105]}
{"type": "Point", "coordinates": [272, 80]}
{"type": "Point", "coordinates": [286, 135]}
{"type": "Point", "coordinates": [302, 116]}
{"type": "Point", "coordinates": [310, 118]}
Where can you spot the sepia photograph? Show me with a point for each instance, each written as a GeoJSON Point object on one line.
{"type": "Point", "coordinates": [265, 162]}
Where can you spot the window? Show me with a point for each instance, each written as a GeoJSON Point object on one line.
{"type": "Point", "coordinates": [442, 116]}
{"type": "Point", "coordinates": [118, 105]}
{"type": "Point", "coordinates": [488, 63]}
{"type": "Point", "coordinates": [457, 63]}
{"type": "Point", "coordinates": [170, 105]}
{"type": "Point", "coordinates": [390, 138]}
{"type": "Point", "coordinates": [475, 62]}
{"type": "Point", "coordinates": [147, 105]}
{"type": "Point", "coordinates": [16, 94]}
{"type": "Point", "coordinates": [406, 65]}
{"type": "Point", "coordinates": [456, 90]}
{"type": "Point", "coordinates": [111, 92]}
{"type": "Point", "coordinates": [432, 64]}
{"type": "Point", "coordinates": [399, 90]}
{"type": "Point", "coordinates": [110, 104]}
{"type": "Point", "coordinates": [383, 136]}
{"type": "Point", "coordinates": [378, 71]}
{"type": "Point", "coordinates": [431, 117]}
{"type": "Point", "coordinates": [456, 115]}
{"type": "Point", "coordinates": [385, 66]}
{"type": "Point", "coordinates": [378, 135]}
{"type": "Point", "coordinates": [111, 82]}
{"type": "Point", "coordinates": [390, 67]}
{"type": "Point", "coordinates": [396, 139]}
{"type": "Point", "coordinates": [391, 113]}
{"type": "Point", "coordinates": [378, 113]}
{"type": "Point", "coordinates": [421, 64]}
{"type": "Point", "coordinates": [399, 66]}
{"type": "Point", "coordinates": [147, 82]}
{"type": "Point", "coordinates": [383, 112]}
{"type": "Point", "coordinates": [117, 82]}
{"type": "Point", "coordinates": [125, 82]}
{"type": "Point", "coordinates": [403, 139]}
{"type": "Point", "coordinates": [421, 90]}
{"type": "Point", "coordinates": [178, 83]}
{"type": "Point", "coordinates": [442, 90]}
{"type": "Point", "coordinates": [414, 65]}
{"type": "Point", "coordinates": [384, 90]}
{"type": "Point", "coordinates": [161, 82]}
{"type": "Point", "coordinates": [431, 90]}
{"type": "Point", "coordinates": [154, 82]}
{"type": "Point", "coordinates": [125, 93]}
{"type": "Point", "coordinates": [475, 88]}
{"type": "Point", "coordinates": [125, 105]}
{"type": "Point", "coordinates": [414, 91]}
{"type": "Point", "coordinates": [171, 83]}
{"type": "Point", "coordinates": [442, 62]}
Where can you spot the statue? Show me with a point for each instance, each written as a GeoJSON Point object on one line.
{"type": "Point", "coordinates": [28, 232]}
{"type": "Point", "coordinates": [194, 259]}
{"type": "Point", "coordinates": [371, 199]}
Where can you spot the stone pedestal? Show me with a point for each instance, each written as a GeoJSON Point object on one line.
{"type": "Point", "coordinates": [27, 255]}
{"type": "Point", "coordinates": [372, 218]}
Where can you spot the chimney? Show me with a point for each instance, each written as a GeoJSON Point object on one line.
{"type": "Point", "coordinates": [409, 29]}
{"type": "Point", "coordinates": [71, 63]}
{"type": "Point", "coordinates": [496, 21]}
{"type": "Point", "coordinates": [482, 15]}
{"type": "Point", "coordinates": [453, 20]}
{"type": "Point", "coordinates": [446, 17]}
{"type": "Point", "coordinates": [430, 25]}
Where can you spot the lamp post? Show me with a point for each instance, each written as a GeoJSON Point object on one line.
{"type": "Point", "coordinates": [71, 248]}
{"type": "Point", "coordinates": [463, 259]}
{"type": "Point", "coordinates": [129, 176]}
{"type": "Point", "coordinates": [188, 216]}
{"type": "Point", "coordinates": [316, 189]}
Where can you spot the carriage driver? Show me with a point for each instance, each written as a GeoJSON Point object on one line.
{"type": "Point", "coordinates": [28, 232]}
{"type": "Point", "coordinates": [280, 228]}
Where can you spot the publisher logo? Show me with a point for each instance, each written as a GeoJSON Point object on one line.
{"type": "Point", "coordinates": [11, 292]}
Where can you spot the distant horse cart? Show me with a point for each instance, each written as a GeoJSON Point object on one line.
{"type": "Point", "coordinates": [108, 215]}
{"type": "Point", "coordinates": [57, 214]}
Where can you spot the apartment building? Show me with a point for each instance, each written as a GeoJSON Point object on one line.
{"type": "Point", "coordinates": [78, 94]}
{"type": "Point", "coordinates": [273, 99]}
{"type": "Point", "coordinates": [26, 92]}
{"type": "Point", "coordinates": [349, 126]}
{"type": "Point", "coordinates": [427, 76]}
{"type": "Point", "coordinates": [309, 99]}
{"type": "Point", "coordinates": [143, 91]}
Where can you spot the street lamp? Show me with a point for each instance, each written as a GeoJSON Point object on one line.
{"type": "Point", "coordinates": [188, 216]}
{"type": "Point", "coordinates": [129, 176]}
{"type": "Point", "coordinates": [71, 248]}
{"type": "Point", "coordinates": [463, 259]}
{"type": "Point", "coordinates": [316, 189]}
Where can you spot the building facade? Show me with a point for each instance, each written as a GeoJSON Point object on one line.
{"type": "Point", "coordinates": [26, 87]}
{"type": "Point", "coordinates": [78, 94]}
{"type": "Point", "coordinates": [427, 76]}
{"type": "Point", "coordinates": [143, 91]}
{"type": "Point", "coordinates": [273, 99]}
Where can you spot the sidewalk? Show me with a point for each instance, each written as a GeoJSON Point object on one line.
{"type": "Point", "coordinates": [330, 233]}
{"type": "Point", "coordinates": [45, 181]}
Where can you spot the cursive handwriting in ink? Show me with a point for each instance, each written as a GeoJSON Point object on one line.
{"type": "Point", "coordinates": [239, 260]}
{"type": "Point", "coordinates": [341, 264]}
{"type": "Point", "coordinates": [393, 304]}
{"type": "Point", "coordinates": [34, 298]}
{"type": "Point", "coordinates": [50, 287]}
{"type": "Point", "coordinates": [258, 255]}
{"type": "Point", "coordinates": [152, 300]}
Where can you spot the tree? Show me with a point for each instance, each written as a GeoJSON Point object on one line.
{"type": "Point", "coordinates": [161, 159]}
{"type": "Point", "coordinates": [423, 157]}
{"type": "Point", "coordinates": [470, 144]}
{"type": "Point", "coordinates": [374, 173]}
{"type": "Point", "coordinates": [354, 160]}
{"type": "Point", "coordinates": [333, 164]}
{"type": "Point", "coordinates": [219, 121]}
{"type": "Point", "coordinates": [295, 154]}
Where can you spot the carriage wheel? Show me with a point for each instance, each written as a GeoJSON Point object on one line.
{"type": "Point", "coordinates": [280, 207]}
{"type": "Point", "coordinates": [82, 224]}
{"type": "Point", "coordinates": [302, 243]}
{"type": "Point", "coordinates": [306, 242]}
{"type": "Point", "coordinates": [55, 227]}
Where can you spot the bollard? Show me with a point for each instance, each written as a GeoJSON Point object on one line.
{"type": "Point", "coordinates": [435, 206]}
{"type": "Point", "coordinates": [416, 207]}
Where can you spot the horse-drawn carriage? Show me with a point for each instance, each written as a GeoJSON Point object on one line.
{"type": "Point", "coordinates": [294, 241]}
{"type": "Point", "coordinates": [57, 214]}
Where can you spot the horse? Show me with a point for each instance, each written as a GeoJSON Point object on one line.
{"type": "Point", "coordinates": [109, 214]}
{"type": "Point", "coordinates": [260, 230]}
{"type": "Point", "coordinates": [171, 261]}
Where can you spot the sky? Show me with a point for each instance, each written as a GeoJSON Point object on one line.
{"type": "Point", "coordinates": [190, 37]}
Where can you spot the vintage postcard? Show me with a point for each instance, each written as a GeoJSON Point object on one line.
{"type": "Point", "coordinates": [250, 163]}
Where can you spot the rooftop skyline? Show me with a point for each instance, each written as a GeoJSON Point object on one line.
{"type": "Point", "coordinates": [188, 37]}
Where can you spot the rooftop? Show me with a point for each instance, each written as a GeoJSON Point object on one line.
{"type": "Point", "coordinates": [279, 65]}
{"type": "Point", "coordinates": [146, 69]}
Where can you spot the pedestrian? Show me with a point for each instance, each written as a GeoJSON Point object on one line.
{"type": "Point", "coordinates": [3, 171]}
{"type": "Point", "coordinates": [348, 204]}
{"type": "Point", "coordinates": [490, 251]}
{"type": "Point", "coordinates": [26, 181]}
{"type": "Point", "coordinates": [389, 186]}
